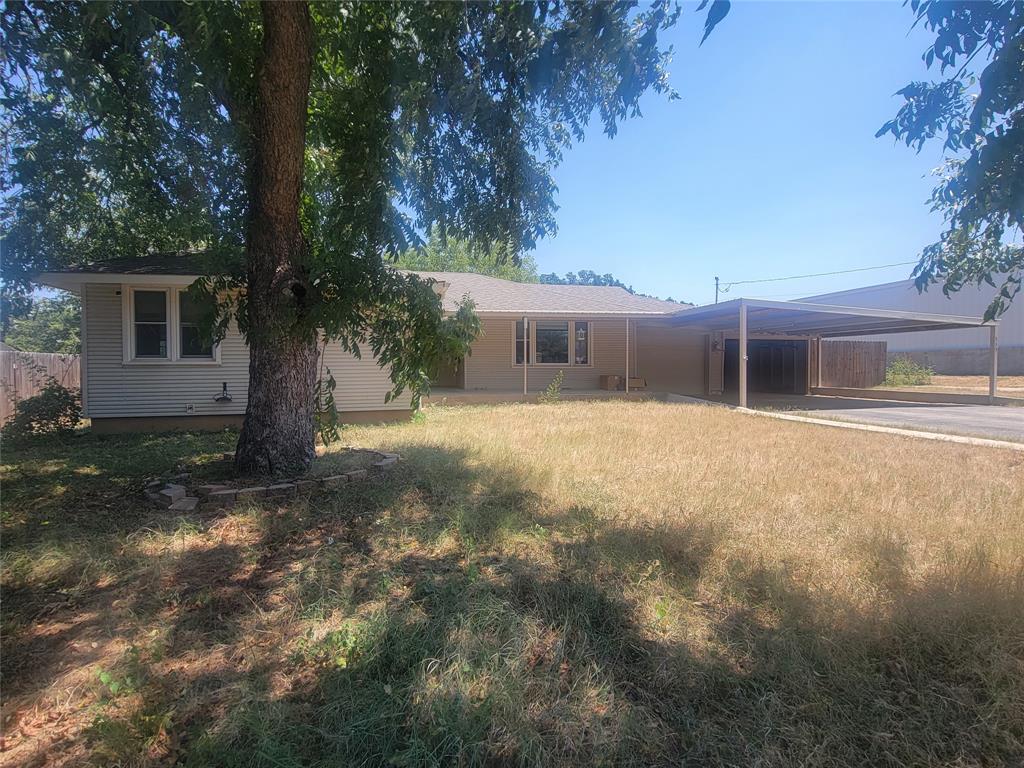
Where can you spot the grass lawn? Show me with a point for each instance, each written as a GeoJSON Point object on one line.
{"type": "Point", "coordinates": [596, 583]}
{"type": "Point", "coordinates": [1006, 386]}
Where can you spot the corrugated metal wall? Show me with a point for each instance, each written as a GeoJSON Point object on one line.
{"type": "Point", "coordinates": [970, 301]}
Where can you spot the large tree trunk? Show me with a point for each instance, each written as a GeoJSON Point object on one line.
{"type": "Point", "coordinates": [277, 436]}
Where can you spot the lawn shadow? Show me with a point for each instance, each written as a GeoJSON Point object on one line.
{"type": "Point", "coordinates": [91, 483]}
{"type": "Point", "coordinates": [449, 613]}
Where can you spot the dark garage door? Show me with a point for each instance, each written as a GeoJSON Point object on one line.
{"type": "Point", "coordinates": [774, 366]}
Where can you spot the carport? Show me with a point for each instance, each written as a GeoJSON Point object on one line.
{"type": "Point", "coordinates": [764, 322]}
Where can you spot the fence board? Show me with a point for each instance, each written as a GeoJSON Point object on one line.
{"type": "Point", "coordinates": [852, 363]}
{"type": "Point", "coordinates": [23, 374]}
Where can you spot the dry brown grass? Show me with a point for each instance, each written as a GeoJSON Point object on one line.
{"type": "Point", "coordinates": [585, 583]}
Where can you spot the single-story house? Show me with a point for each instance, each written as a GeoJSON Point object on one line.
{"type": "Point", "coordinates": [145, 367]}
{"type": "Point", "coordinates": [957, 351]}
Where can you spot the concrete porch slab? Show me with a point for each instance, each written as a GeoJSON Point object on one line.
{"type": "Point", "coordinates": [451, 396]}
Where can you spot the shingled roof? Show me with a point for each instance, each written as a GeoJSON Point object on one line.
{"type": "Point", "coordinates": [492, 295]}
{"type": "Point", "coordinates": [186, 263]}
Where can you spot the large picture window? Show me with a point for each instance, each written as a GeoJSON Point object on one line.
{"type": "Point", "coordinates": [151, 324]}
{"type": "Point", "coordinates": [553, 342]}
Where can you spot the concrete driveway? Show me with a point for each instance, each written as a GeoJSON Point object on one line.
{"type": "Point", "coordinates": [996, 422]}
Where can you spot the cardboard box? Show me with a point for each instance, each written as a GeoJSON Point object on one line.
{"type": "Point", "coordinates": [610, 382]}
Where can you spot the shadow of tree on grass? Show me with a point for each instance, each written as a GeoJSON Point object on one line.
{"type": "Point", "coordinates": [449, 614]}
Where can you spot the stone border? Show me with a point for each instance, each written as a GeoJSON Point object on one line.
{"type": "Point", "coordinates": [175, 496]}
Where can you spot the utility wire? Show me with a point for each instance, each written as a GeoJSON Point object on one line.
{"type": "Point", "coordinates": [726, 286]}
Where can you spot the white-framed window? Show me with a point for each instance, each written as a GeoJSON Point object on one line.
{"type": "Point", "coordinates": [191, 344]}
{"type": "Point", "coordinates": [581, 343]}
{"type": "Point", "coordinates": [553, 342]}
{"type": "Point", "coordinates": [522, 350]}
{"type": "Point", "coordinates": [150, 321]}
{"type": "Point", "coordinates": [162, 325]}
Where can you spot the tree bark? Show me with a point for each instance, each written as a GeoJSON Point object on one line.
{"type": "Point", "coordinates": [278, 432]}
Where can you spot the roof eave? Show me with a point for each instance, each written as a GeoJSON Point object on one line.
{"type": "Point", "coordinates": [858, 323]}
{"type": "Point", "coordinates": [517, 313]}
{"type": "Point", "coordinates": [73, 281]}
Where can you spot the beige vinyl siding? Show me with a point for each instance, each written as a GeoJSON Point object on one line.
{"type": "Point", "coordinates": [117, 389]}
{"type": "Point", "coordinates": [154, 389]}
{"type": "Point", "coordinates": [362, 384]}
{"type": "Point", "coordinates": [715, 365]}
{"type": "Point", "coordinates": [671, 359]}
{"type": "Point", "coordinates": [491, 366]}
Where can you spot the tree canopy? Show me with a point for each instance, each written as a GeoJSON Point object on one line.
{"type": "Point", "coordinates": [320, 141]}
{"type": "Point", "coordinates": [51, 325]}
{"type": "Point", "coordinates": [977, 111]}
{"type": "Point", "coordinates": [460, 255]}
{"type": "Point", "coordinates": [589, 277]}
{"type": "Point", "coordinates": [131, 123]}
{"type": "Point", "coordinates": [584, 277]}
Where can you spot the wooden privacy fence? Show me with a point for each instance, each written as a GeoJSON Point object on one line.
{"type": "Point", "coordinates": [852, 363]}
{"type": "Point", "coordinates": [23, 374]}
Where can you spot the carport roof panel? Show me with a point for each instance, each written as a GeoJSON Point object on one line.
{"type": "Point", "coordinates": [797, 318]}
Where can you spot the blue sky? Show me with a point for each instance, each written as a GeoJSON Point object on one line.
{"type": "Point", "coordinates": [766, 167]}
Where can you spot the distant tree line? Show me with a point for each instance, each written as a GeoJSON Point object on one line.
{"type": "Point", "coordinates": [452, 254]}
{"type": "Point", "coordinates": [584, 277]}
{"type": "Point", "coordinates": [46, 325]}
{"type": "Point", "coordinates": [588, 277]}
{"type": "Point", "coordinates": [456, 255]}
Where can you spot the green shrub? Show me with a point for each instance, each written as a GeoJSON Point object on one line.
{"type": "Point", "coordinates": [905, 372]}
{"type": "Point", "coordinates": [54, 412]}
{"type": "Point", "coordinates": [554, 391]}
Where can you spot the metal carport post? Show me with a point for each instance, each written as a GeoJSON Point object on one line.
{"type": "Point", "coordinates": [743, 353]}
{"type": "Point", "coordinates": [993, 352]}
